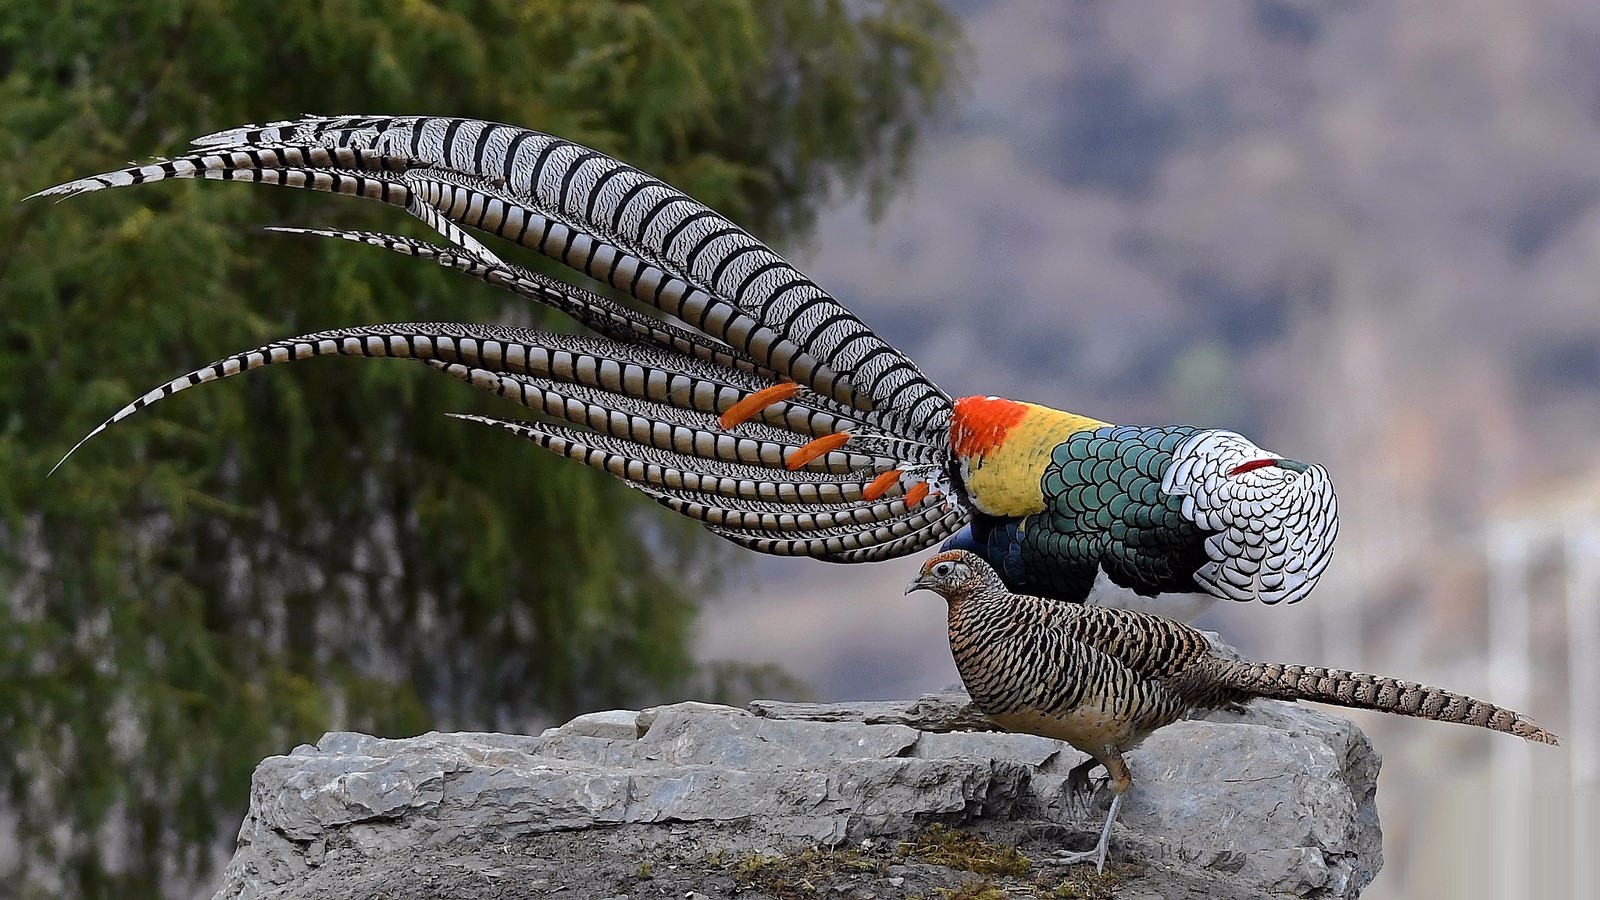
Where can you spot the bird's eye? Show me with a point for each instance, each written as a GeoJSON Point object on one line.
{"type": "Point", "coordinates": [943, 569]}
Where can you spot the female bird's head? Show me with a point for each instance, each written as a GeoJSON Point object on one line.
{"type": "Point", "coordinates": [956, 575]}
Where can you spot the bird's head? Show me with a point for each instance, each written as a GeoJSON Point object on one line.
{"type": "Point", "coordinates": [1270, 521]}
{"type": "Point", "coordinates": [955, 575]}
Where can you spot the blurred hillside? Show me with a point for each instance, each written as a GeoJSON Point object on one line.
{"type": "Point", "coordinates": [1363, 233]}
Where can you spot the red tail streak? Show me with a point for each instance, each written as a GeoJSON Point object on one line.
{"type": "Point", "coordinates": [980, 424]}
{"type": "Point", "coordinates": [813, 449]}
{"type": "Point", "coordinates": [881, 485]}
{"type": "Point", "coordinates": [756, 402]}
{"type": "Point", "coordinates": [917, 494]}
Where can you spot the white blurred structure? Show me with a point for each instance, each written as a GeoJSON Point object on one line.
{"type": "Point", "coordinates": [1583, 667]}
{"type": "Point", "coordinates": [1509, 557]}
{"type": "Point", "coordinates": [1545, 544]}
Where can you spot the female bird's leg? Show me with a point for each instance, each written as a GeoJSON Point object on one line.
{"type": "Point", "coordinates": [1078, 792]}
{"type": "Point", "coordinates": [1121, 780]}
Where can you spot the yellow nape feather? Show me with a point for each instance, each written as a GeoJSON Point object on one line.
{"type": "Point", "coordinates": [1004, 447]}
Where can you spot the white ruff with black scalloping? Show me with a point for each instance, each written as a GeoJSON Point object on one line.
{"type": "Point", "coordinates": [1274, 527]}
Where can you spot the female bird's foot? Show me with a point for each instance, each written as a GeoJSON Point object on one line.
{"type": "Point", "coordinates": [1098, 854]}
{"type": "Point", "coordinates": [1073, 857]}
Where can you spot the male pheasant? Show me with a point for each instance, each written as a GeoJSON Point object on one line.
{"type": "Point", "coordinates": [758, 404]}
{"type": "Point", "coordinates": [1104, 679]}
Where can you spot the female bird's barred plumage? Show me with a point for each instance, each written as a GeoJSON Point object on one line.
{"type": "Point", "coordinates": [1104, 679]}
{"type": "Point", "coordinates": [755, 402]}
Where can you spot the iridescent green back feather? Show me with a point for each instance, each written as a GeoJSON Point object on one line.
{"type": "Point", "coordinates": [1104, 507]}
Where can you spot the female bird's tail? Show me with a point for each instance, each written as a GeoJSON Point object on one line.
{"type": "Point", "coordinates": [1390, 695]}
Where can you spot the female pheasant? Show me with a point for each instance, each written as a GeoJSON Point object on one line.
{"type": "Point", "coordinates": [758, 404]}
{"type": "Point", "coordinates": [1103, 680]}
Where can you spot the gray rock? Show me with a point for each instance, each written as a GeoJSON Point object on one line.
{"type": "Point", "coordinates": [648, 716]}
{"type": "Point", "coordinates": [611, 724]}
{"type": "Point", "coordinates": [1277, 799]}
{"type": "Point", "coordinates": [949, 711]}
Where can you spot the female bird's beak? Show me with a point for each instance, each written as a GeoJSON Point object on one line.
{"type": "Point", "coordinates": [917, 584]}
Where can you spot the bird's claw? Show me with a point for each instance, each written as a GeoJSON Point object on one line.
{"type": "Point", "coordinates": [1073, 857]}
{"type": "Point", "coordinates": [1098, 854]}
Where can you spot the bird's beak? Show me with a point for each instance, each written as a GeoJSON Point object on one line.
{"type": "Point", "coordinates": [917, 584]}
{"type": "Point", "coordinates": [1293, 465]}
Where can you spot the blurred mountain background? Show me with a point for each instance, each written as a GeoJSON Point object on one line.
{"type": "Point", "coordinates": [1363, 233]}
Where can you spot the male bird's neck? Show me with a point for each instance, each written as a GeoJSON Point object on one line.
{"type": "Point", "coordinates": [1002, 447]}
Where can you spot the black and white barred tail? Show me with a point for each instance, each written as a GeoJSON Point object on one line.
{"type": "Point", "coordinates": [595, 214]}
{"type": "Point", "coordinates": [648, 415]}
{"type": "Point", "coordinates": [646, 396]}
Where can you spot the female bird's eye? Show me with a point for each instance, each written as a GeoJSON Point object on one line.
{"type": "Point", "coordinates": [943, 569]}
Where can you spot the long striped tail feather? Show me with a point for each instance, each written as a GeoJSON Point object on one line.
{"type": "Point", "coordinates": [598, 313]}
{"type": "Point", "coordinates": [672, 471]}
{"type": "Point", "coordinates": [599, 216]}
{"type": "Point", "coordinates": [785, 520]}
{"type": "Point", "coordinates": [656, 425]}
{"type": "Point", "coordinates": [647, 388]}
{"type": "Point", "coordinates": [925, 526]}
{"type": "Point", "coordinates": [647, 400]}
{"type": "Point", "coordinates": [760, 508]}
{"type": "Point", "coordinates": [310, 170]}
{"type": "Point", "coordinates": [1358, 690]}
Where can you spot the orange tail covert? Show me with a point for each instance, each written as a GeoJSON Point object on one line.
{"type": "Point", "coordinates": [822, 446]}
{"type": "Point", "coordinates": [755, 403]}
